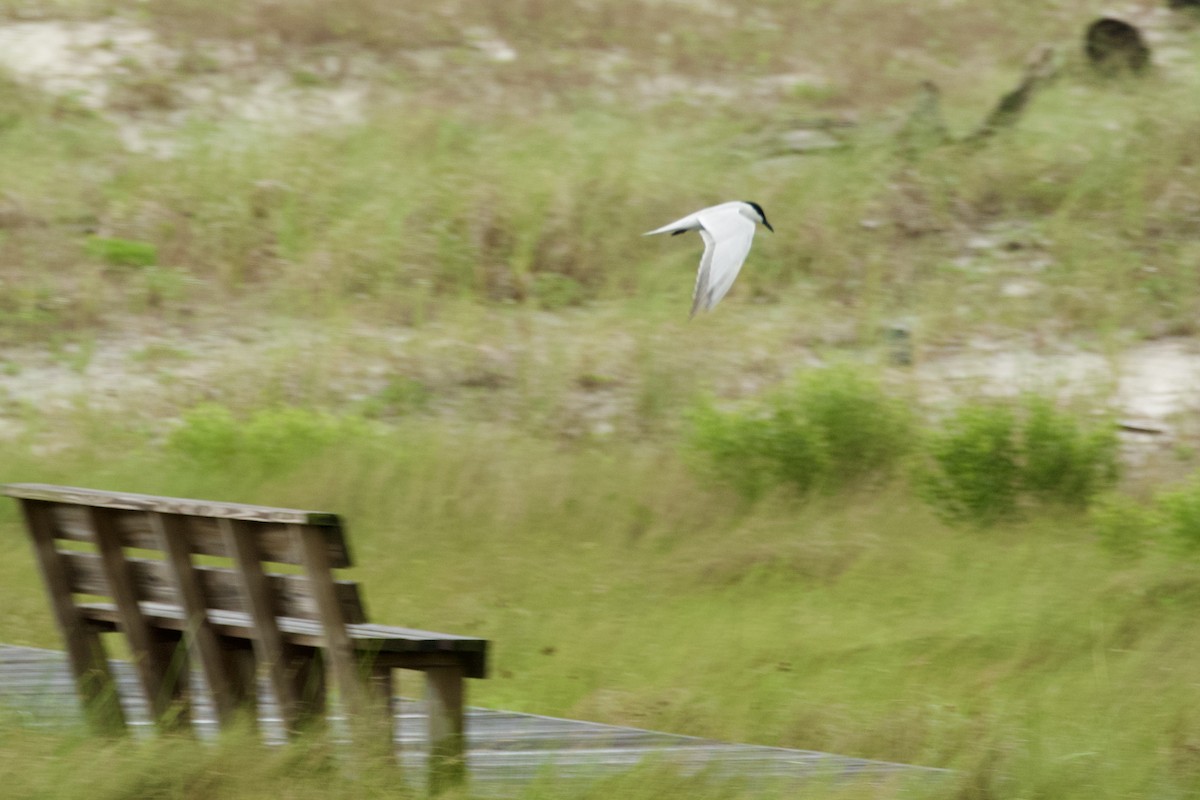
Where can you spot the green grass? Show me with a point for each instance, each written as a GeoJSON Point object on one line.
{"type": "Point", "coordinates": [618, 586]}
{"type": "Point", "coordinates": [442, 322]}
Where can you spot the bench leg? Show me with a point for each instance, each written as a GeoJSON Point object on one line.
{"type": "Point", "coordinates": [94, 681]}
{"type": "Point", "coordinates": [380, 711]}
{"type": "Point", "coordinates": [233, 681]}
{"type": "Point", "coordinates": [170, 656]}
{"type": "Point", "coordinates": [235, 692]}
{"type": "Point", "coordinates": [85, 652]}
{"type": "Point", "coordinates": [241, 668]}
{"type": "Point", "coordinates": [370, 710]}
{"type": "Point", "coordinates": [444, 700]}
{"type": "Point", "coordinates": [306, 670]}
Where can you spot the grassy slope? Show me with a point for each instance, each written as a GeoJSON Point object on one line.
{"type": "Point", "coordinates": [518, 202]}
{"type": "Point", "coordinates": [617, 585]}
{"type": "Point", "coordinates": [617, 588]}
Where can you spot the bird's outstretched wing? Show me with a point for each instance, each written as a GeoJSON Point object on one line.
{"type": "Point", "coordinates": [727, 238]}
{"type": "Point", "coordinates": [681, 225]}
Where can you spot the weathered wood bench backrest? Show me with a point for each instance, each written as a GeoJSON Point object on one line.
{"type": "Point", "coordinates": [168, 532]}
{"type": "Point", "coordinates": [102, 519]}
{"type": "Point", "coordinates": [163, 576]}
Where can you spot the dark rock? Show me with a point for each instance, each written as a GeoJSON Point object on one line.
{"type": "Point", "coordinates": [1114, 47]}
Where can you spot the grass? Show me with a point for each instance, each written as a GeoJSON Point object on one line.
{"type": "Point", "coordinates": [856, 624]}
{"type": "Point", "coordinates": [1091, 197]}
{"type": "Point", "coordinates": [441, 322]}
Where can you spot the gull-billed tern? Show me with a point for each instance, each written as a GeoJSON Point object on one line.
{"type": "Point", "coordinates": [727, 231]}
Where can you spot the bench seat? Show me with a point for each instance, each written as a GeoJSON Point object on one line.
{"type": "Point", "coordinates": [398, 648]}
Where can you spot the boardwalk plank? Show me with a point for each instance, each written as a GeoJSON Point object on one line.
{"type": "Point", "coordinates": [505, 750]}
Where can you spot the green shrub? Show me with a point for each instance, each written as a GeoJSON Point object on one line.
{"type": "Point", "coordinates": [1065, 461]}
{"type": "Point", "coordinates": [400, 396]}
{"type": "Point", "coordinates": [1171, 521]}
{"type": "Point", "coordinates": [864, 428]}
{"type": "Point", "coordinates": [1124, 526]}
{"type": "Point", "coordinates": [270, 441]}
{"type": "Point", "coordinates": [209, 435]}
{"type": "Point", "coordinates": [752, 451]}
{"type": "Point", "coordinates": [123, 252]}
{"type": "Point", "coordinates": [990, 457]}
{"type": "Point", "coordinates": [976, 474]}
{"type": "Point", "coordinates": [1180, 512]}
{"type": "Point", "coordinates": [831, 428]}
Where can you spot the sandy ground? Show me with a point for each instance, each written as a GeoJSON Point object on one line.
{"type": "Point", "coordinates": [101, 63]}
{"type": "Point", "coordinates": [148, 365]}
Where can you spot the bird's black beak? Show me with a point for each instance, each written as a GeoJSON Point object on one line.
{"type": "Point", "coordinates": [771, 229]}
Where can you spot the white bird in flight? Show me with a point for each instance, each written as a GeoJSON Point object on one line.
{"type": "Point", "coordinates": [727, 231]}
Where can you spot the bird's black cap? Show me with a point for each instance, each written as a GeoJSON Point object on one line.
{"type": "Point", "coordinates": [761, 213]}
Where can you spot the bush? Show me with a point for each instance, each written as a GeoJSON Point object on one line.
{"type": "Point", "coordinates": [1170, 522]}
{"type": "Point", "coordinates": [1124, 525]}
{"type": "Point", "coordinates": [976, 473]}
{"type": "Point", "coordinates": [1180, 514]}
{"type": "Point", "coordinates": [123, 252]}
{"type": "Point", "coordinates": [989, 457]}
{"type": "Point", "coordinates": [752, 451]}
{"type": "Point", "coordinates": [1065, 461]}
{"type": "Point", "coordinates": [270, 441]}
{"type": "Point", "coordinates": [832, 428]}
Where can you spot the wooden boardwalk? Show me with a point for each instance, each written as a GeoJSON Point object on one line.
{"type": "Point", "coordinates": [505, 749]}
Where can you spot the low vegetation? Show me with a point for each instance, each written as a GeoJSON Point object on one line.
{"type": "Point", "coordinates": [832, 429]}
{"type": "Point", "coordinates": [989, 460]}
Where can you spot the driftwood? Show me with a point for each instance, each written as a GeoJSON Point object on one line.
{"type": "Point", "coordinates": [1008, 110]}
{"type": "Point", "coordinates": [925, 127]}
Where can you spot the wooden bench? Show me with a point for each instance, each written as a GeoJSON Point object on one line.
{"type": "Point", "coordinates": [233, 616]}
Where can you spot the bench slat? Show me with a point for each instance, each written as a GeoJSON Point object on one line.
{"type": "Point", "coordinates": [74, 495]}
{"type": "Point", "coordinates": [204, 535]}
{"type": "Point", "coordinates": [160, 683]}
{"type": "Point", "coordinates": [269, 647]}
{"type": "Point", "coordinates": [401, 653]}
{"type": "Point", "coordinates": [221, 674]}
{"type": "Point", "coordinates": [367, 639]}
{"type": "Point", "coordinates": [219, 586]}
{"type": "Point", "coordinates": [370, 722]}
{"type": "Point", "coordinates": [85, 652]}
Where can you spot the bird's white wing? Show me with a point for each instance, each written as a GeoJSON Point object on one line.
{"type": "Point", "coordinates": [702, 275]}
{"type": "Point", "coordinates": [692, 222]}
{"type": "Point", "coordinates": [689, 223]}
{"type": "Point", "coordinates": [727, 237]}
